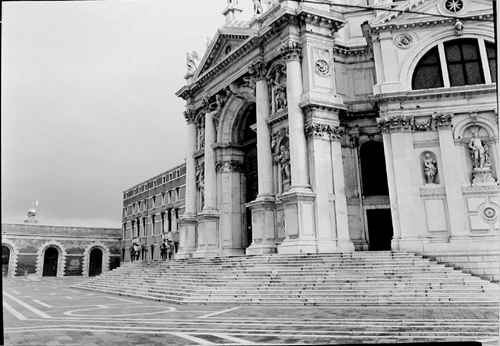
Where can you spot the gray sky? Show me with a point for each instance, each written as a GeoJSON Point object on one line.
{"type": "Point", "coordinates": [88, 104]}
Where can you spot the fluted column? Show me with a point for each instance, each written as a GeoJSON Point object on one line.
{"type": "Point", "coordinates": [298, 147]}
{"type": "Point", "coordinates": [263, 208]}
{"type": "Point", "coordinates": [210, 174]}
{"type": "Point", "coordinates": [264, 153]}
{"type": "Point", "coordinates": [188, 223]}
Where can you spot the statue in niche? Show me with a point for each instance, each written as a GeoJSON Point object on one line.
{"type": "Point", "coordinates": [278, 90]}
{"type": "Point", "coordinates": [430, 169]}
{"type": "Point", "coordinates": [190, 61]}
{"type": "Point", "coordinates": [284, 160]}
{"type": "Point", "coordinates": [479, 152]}
{"type": "Point", "coordinates": [201, 138]}
{"type": "Point", "coordinates": [200, 182]}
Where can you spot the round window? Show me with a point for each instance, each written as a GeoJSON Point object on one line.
{"type": "Point", "coordinates": [454, 6]}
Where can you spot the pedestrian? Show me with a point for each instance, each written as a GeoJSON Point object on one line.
{"type": "Point", "coordinates": [163, 249]}
{"type": "Point", "coordinates": [170, 250]}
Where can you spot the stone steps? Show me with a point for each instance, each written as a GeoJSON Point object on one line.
{"type": "Point", "coordinates": [378, 278]}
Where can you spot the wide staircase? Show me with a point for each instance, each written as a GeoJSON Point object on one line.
{"type": "Point", "coordinates": [354, 278]}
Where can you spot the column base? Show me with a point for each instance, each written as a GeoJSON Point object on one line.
{"type": "Point", "coordinates": [187, 236]}
{"type": "Point", "coordinates": [263, 227]}
{"type": "Point", "coordinates": [297, 246]}
{"type": "Point", "coordinates": [208, 235]}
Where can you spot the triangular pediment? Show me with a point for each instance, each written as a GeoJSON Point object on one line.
{"type": "Point", "coordinates": [225, 42]}
{"type": "Point", "coordinates": [417, 11]}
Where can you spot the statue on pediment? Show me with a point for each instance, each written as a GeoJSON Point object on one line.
{"type": "Point", "coordinates": [190, 61]}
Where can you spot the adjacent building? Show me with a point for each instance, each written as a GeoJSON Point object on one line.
{"type": "Point", "coordinates": [42, 250]}
{"type": "Point", "coordinates": [151, 211]}
{"type": "Point", "coordinates": [322, 127]}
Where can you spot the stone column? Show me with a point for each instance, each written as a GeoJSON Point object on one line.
{"type": "Point", "coordinates": [299, 200]}
{"type": "Point", "coordinates": [298, 146]}
{"type": "Point", "coordinates": [208, 219]}
{"type": "Point", "coordinates": [263, 208]}
{"type": "Point", "coordinates": [188, 223]}
{"type": "Point", "coordinates": [451, 167]}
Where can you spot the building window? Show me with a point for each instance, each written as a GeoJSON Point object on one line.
{"type": "Point", "coordinates": [177, 174]}
{"type": "Point", "coordinates": [428, 72]}
{"type": "Point", "coordinates": [466, 62]}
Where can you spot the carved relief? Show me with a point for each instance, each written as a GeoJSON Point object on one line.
{"type": "Point", "coordinates": [404, 40]}
{"type": "Point", "coordinates": [257, 70]}
{"type": "Point", "coordinates": [284, 160]}
{"type": "Point", "coordinates": [277, 86]}
{"type": "Point", "coordinates": [291, 50]}
{"type": "Point", "coordinates": [200, 133]}
{"type": "Point", "coordinates": [189, 115]}
{"type": "Point", "coordinates": [399, 123]}
{"type": "Point", "coordinates": [229, 166]}
{"type": "Point", "coordinates": [422, 126]}
{"type": "Point", "coordinates": [458, 27]}
{"type": "Point", "coordinates": [322, 68]}
{"type": "Point", "coordinates": [442, 120]}
{"type": "Point", "coordinates": [277, 137]}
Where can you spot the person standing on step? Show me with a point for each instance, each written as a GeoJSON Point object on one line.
{"type": "Point", "coordinates": [137, 251]}
{"type": "Point", "coordinates": [170, 249]}
{"type": "Point", "coordinates": [163, 249]}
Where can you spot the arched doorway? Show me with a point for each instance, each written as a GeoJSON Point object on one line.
{"type": "Point", "coordinates": [95, 262]}
{"type": "Point", "coordinates": [5, 260]}
{"type": "Point", "coordinates": [50, 259]}
{"type": "Point", "coordinates": [375, 191]}
{"type": "Point", "coordinates": [249, 146]}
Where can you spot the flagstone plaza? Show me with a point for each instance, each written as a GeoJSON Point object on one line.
{"type": "Point", "coordinates": [49, 312]}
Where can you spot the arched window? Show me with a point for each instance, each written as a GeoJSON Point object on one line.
{"type": "Point", "coordinates": [466, 62]}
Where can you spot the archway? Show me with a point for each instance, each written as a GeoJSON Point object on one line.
{"type": "Point", "coordinates": [249, 145]}
{"type": "Point", "coordinates": [50, 260]}
{"type": "Point", "coordinates": [95, 262]}
{"type": "Point", "coordinates": [375, 191]}
{"type": "Point", "coordinates": [5, 260]}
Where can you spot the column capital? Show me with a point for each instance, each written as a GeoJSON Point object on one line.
{"type": "Point", "coordinates": [257, 70]}
{"type": "Point", "coordinates": [398, 123]}
{"type": "Point", "coordinates": [442, 121]}
{"type": "Point", "coordinates": [190, 115]}
{"type": "Point", "coordinates": [324, 131]}
{"type": "Point", "coordinates": [226, 166]}
{"type": "Point", "coordinates": [291, 50]}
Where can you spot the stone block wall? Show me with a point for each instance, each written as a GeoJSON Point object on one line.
{"type": "Point", "coordinates": [484, 264]}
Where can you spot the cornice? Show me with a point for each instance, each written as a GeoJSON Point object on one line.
{"type": "Point", "coordinates": [310, 104]}
{"type": "Point", "coordinates": [278, 117]}
{"type": "Point", "coordinates": [423, 94]}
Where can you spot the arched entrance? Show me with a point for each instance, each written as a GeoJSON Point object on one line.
{"type": "Point", "coordinates": [375, 190]}
{"type": "Point", "coordinates": [5, 260]}
{"type": "Point", "coordinates": [249, 145]}
{"type": "Point", "coordinates": [95, 262]}
{"type": "Point", "coordinates": [50, 259]}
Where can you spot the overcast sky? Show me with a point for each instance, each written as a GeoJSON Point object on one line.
{"type": "Point", "coordinates": [88, 104]}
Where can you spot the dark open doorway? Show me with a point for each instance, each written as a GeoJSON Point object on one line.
{"type": "Point", "coordinates": [5, 260]}
{"type": "Point", "coordinates": [50, 262]}
{"type": "Point", "coordinates": [250, 167]}
{"type": "Point", "coordinates": [95, 262]}
{"type": "Point", "coordinates": [379, 229]}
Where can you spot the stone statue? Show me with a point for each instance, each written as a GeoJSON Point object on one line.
{"type": "Point", "coordinates": [232, 2]}
{"type": "Point", "coordinates": [278, 91]}
{"type": "Point", "coordinates": [201, 138]}
{"type": "Point", "coordinates": [458, 27]}
{"type": "Point", "coordinates": [430, 169]}
{"type": "Point", "coordinates": [478, 152]}
{"type": "Point", "coordinates": [284, 160]}
{"type": "Point", "coordinates": [190, 61]}
{"type": "Point", "coordinates": [257, 7]}
{"type": "Point", "coordinates": [200, 182]}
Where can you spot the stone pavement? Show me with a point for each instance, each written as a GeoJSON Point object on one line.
{"type": "Point", "coordinates": [49, 312]}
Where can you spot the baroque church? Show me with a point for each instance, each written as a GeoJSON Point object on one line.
{"type": "Point", "coordinates": [326, 126]}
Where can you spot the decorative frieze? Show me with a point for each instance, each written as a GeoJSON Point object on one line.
{"type": "Point", "coordinates": [324, 131]}
{"type": "Point", "coordinates": [225, 166]}
{"type": "Point", "coordinates": [442, 120]}
{"type": "Point", "coordinates": [398, 123]}
{"type": "Point", "coordinates": [291, 50]}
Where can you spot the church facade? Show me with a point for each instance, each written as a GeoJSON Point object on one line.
{"type": "Point", "coordinates": [316, 128]}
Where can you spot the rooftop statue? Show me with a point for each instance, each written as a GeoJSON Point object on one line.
{"type": "Point", "coordinates": [190, 61]}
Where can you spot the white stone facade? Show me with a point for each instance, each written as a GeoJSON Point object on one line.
{"type": "Point", "coordinates": [320, 130]}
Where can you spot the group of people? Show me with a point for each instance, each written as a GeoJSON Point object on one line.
{"type": "Point", "coordinates": [167, 250]}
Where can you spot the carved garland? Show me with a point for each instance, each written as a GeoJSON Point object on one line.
{"type": "Point", "coordinates": [225, 166]}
